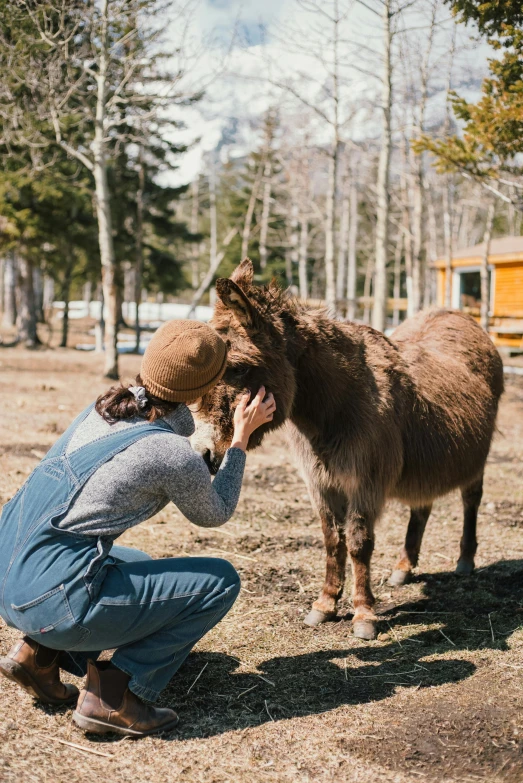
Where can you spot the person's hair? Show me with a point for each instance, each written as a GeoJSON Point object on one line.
{"type": "Point", "coordinates": [119, 403]}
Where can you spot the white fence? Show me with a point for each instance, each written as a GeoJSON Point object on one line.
{"type": "Point", "coordinates": [151, 313]}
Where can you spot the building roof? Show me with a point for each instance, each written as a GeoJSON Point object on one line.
{"type": "Point", "coordinates": [502, 250]}
{"type": "Point", "coordinates": [498, 247]}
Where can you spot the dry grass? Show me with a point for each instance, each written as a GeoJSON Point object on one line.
{"type": "Point", "coordinates": [437, 697]}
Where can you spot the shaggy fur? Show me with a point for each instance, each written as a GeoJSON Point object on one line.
{"type": "Point", "coordinates": [369, 418]}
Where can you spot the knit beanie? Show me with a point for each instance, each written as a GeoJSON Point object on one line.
{"type": "Point", "coordinates": [184, 360]}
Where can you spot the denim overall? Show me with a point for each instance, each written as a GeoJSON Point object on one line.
{"type": "Point", "coordinates": [78, 593]}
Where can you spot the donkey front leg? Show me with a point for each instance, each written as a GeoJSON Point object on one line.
{"type": "Point", "coordinates": [332, 512]}
{"type": "Point", "coordinates": [410, 552]}
{"type": "Point", "coordinates": [360, 533]}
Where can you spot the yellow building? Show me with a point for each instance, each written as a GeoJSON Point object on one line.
{"type": "Point", "coordinates": [506, 287]}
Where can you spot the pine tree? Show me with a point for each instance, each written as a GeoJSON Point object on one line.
{"type": "Point", "coordinates": [493, 127]}
{"type": "Point", "coordinates": [49, 225]}
{"type": "Point", "coordinates": [91, 70]}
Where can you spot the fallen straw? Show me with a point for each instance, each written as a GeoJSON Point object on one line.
{"type": "Point", "coordinates": [232, 554]}
{"type": "Point", "coordinates": [491, 628]}
{"type": "Point", "coordinates": [76, 746]}
{"type": "Point", "coordinates": [266, 680]}
{"type": "Point", "coordinates": [248, 689]}
{"type": "Point", "coordinates": [268, 713]}
{"type": "Point", "coordinates": [403, 684]}
{"type": "Point", "coordinates": [446, 637]}
{"type": "Point", "coordinates": [388, 674]}
{"type": "Point", "coordinates": [395, 635]}
{"type": "Point", "coordinates": [197, 678]}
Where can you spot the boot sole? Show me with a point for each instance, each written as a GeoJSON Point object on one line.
{"type": "Point", "coordinates": [16, 673]}
{"type": "Point", "coordinates": [101, 727]}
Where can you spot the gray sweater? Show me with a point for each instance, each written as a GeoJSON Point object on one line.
{"type": "Point", "coordinates": [140, 480]}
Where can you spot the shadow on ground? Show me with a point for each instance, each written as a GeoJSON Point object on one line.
{"type": "Point", "coordinates": [474, 613]}
{"type": "Point", "coordinates": [472, 732]}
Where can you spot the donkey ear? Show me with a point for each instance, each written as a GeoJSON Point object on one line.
{"type": "Point", "coordinates": [234, 299]}
{"type": "Point", "coordinates": [244, 273]}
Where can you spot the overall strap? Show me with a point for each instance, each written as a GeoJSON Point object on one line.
{"type": "Point", "coordinates": [60, 447]}
{"type": "Point", "coordinates": [83, 462]}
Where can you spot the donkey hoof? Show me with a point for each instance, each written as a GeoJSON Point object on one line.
{"type": "Point", "coordinates": [398, 578]}
{"type": "Point", "coordinates": [365, 629]}
{"type": "Point", "coordinates": [464, 568]}
{"type": "Point", "coordinates": [315, 617]}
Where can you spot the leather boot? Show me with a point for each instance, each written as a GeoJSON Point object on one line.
{"type": "Point", "coordinates": [107, 705]}
{"type": "Point", "coordinates": [35, 668]}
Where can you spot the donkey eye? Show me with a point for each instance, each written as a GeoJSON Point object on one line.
{"type": "Point", "coordinates": [236, 374]}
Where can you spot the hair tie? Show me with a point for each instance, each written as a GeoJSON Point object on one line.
{"type": "Point", "coordinates": [140, 395]}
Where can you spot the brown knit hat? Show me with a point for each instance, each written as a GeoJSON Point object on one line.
{"type": "Point", "coordinates": [184, 360]}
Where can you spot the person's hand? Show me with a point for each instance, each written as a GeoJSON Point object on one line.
{"type": "Point", "coordinates": [248, 416]}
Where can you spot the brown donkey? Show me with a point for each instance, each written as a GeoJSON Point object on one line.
{"type": "Point", "coordinates": [368, 418]}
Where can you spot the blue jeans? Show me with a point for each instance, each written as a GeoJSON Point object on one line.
{"type": "Point", "coordinates": [153, 612]}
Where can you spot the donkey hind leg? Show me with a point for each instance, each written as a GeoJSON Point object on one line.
{"type": "Point", "coordinates": [471, 497]}
{"type": "Point", "coordinates": [360, 534]}
{"type": "Point", "coordinates": [333, 509]}
{"type": "Point", "coordinates": [410, 552]}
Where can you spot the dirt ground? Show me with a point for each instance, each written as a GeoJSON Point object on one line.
{"type": "Point", "coordinates": [439, 695]}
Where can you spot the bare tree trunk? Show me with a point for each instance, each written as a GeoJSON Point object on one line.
{"type": "Point", "coordinates": [431, 252]}
{"type": "Point", "coordinates": [87, 296]}
{"type": "Point", "coordinates": [48, 293]}
{"type": "Point", "coordinates": [250, 208]}
{"type": "Point", "coordinates": [128, 283]}
{"type": "Point", "coordinates": [292, 254]}
{"type": "Point", "coordinates": [379, 313]}
{"type": "Point", "coordinates": [332, 187]}
{"type": "Point", "coordinates": [302, 258]}
{"type": "Point", "coordinates": [103, 209]}
{"type": "Point", "coordinates": [138, 264]}
{"type": "Point", "coordinates": [343, 247]}
{"type": "Point", "coordinates": [25, 304]}
{"type": "Point", "coordinates": [2, 284]}
{"type": "Point", "coordinates": [464, 226]}
{"type": "Point", "coordinates": [213, 248]}
{"type": "Point", "coordinates": [109, 283]}
{"type": "Point", "coordinates": [485, 297]}
{"type": "Point", "coordinates": [447, 235]}
{"type": "Point", "coordinates": [195, 259]}
{"type": "Point", "coordinates": [38, 289]}
{"type": "Point", "coordinates": [407, 249]}
{"type": "Point", "coordinates": [397, 276]}
{"type": "Point", "coordinates": [99, 327]}
{"type": "Point", "coordinates": [317, 286]}
{"type": "Point", "coordinates": [418, 244]}
{"type": "Point", "coordinates": [9, 317]}
{"type": "Point", "coordinates": [264, 228]}
{"type": "Point", "coordinates": [447, 190]}
{"type": "Point", "coordinates": [369, 272]}
{"type": "Point", "coordinates": [65, 295]}
{"type": "Point", "coordinates": [330, 221]}
{"type": "Point", "coordinates": [291, 251]}
{"type": "Point", "coordinates": [406, 227]}
{"type": "Point", "coordinates": [351, 257]}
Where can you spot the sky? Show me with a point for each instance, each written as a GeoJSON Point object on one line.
{"type": "Point", "coordinates": [234, 45]}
